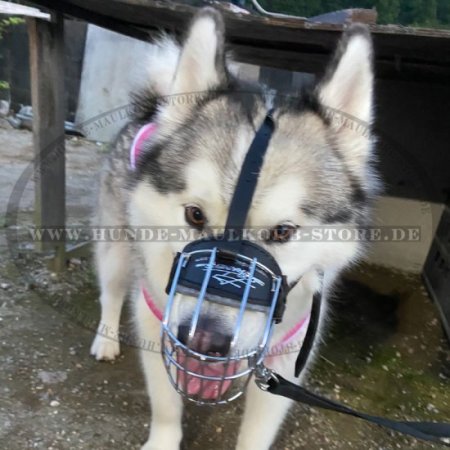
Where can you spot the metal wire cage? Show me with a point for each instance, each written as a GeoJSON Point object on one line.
{"type": "Point", "coordinates": [207, 379]}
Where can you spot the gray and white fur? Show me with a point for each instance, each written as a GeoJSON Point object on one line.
{"type": "Point", "coordinates": [318, 170]}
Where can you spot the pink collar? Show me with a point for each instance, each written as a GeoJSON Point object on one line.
{"type": "Point", "coordinates": [136, 147]}
{"type": "Point", "coordinates": [299, 328]}
{"type": "Point", "coordinates": [151, 304]}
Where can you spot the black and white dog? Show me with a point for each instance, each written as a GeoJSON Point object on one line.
{"type": "Point", "coordinates": [186, 158]}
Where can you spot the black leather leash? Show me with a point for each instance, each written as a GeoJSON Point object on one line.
{"type": "Point", "coordinates": [428, 431]}
{"type": "Point", "coordinates": [271, 382]}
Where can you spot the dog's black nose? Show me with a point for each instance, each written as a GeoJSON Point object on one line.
{"type": "Point", "coordinates": [206, 341]}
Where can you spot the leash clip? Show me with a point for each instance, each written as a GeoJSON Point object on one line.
{"type": "Point", "coordinates": [263, 375]}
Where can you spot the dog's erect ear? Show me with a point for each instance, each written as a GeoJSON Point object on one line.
{"type": "Point", "coordinates": [346, 91]}
{"type": "Point", "coordinates": [201, 67]}
{"type": "Point", "coordinates": [347, 86]}
{"type": "Point", "coordinates": [202, 60]}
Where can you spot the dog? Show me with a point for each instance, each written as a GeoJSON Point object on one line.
{"type": "Point", "coordinates": [318, 172]}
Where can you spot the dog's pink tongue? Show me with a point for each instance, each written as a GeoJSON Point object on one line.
{"type": "Point", "coordinates": [207, 390]}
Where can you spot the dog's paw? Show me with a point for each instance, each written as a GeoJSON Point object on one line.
{"type": "Point", "coordinates": [150, 445]}
{"type": "Point", "coordinates": [105, 349]}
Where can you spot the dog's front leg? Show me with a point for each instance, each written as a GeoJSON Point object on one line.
{"type": "Point", "coordinates": [165, 403]}
{"type": "Point", "coordinates": [166, 406]}
{"type": "Point", "coordinates": [263, 416]}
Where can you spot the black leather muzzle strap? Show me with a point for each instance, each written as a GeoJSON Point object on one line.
{"type": "Point", "coordinates": [248, 178]}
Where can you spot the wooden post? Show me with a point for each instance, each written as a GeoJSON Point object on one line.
{"type": "Point", "coordinates": [47, 88]}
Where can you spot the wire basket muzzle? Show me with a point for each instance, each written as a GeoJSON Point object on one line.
{"type": "Point", "coordinates": [230, 274]}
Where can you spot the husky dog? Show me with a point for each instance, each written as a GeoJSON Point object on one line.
{"type": "Point", "coordinates": [317, 171]}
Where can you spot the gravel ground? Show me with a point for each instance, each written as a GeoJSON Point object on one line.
{"type": "Point", "coordinates": [384, 353]}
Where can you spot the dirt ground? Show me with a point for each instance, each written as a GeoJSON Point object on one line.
{"type": "Point", "coordinates": [385, 352]}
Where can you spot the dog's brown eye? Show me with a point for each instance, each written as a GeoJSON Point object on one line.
{"type": "Point", "coordinates": [282, 233]}
{"type": "Point", "coordinates": [194, 216]}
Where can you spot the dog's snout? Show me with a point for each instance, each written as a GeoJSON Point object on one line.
{"type": "Point", "coordinates": [206, 341]}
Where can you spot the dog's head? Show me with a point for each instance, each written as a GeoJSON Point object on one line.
{"type": "Point", "coordinates": [317, 170]}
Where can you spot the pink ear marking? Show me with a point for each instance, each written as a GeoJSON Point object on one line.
{"type": "Point", "coordinates": [136, 147]}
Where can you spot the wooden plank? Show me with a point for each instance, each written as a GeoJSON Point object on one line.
{"type": "Point", "coordinates": [98, 18]}
{"type": "Point", "coordinates": [315, 62]}
{"type": "Point", "coordinates": [47, 88]}
{"type": "Point", "coordinates": [13, 9]}
{"type": "Point", "coordinates": [401, 53]}
{"type": "Point", "coordinates": [367, 16]}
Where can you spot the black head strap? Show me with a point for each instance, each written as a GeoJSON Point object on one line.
{"type": "Point", "coordinates": [248, 178]}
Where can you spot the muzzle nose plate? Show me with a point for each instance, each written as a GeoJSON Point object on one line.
{"type": "Point", "coordinates": [230, 273]}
